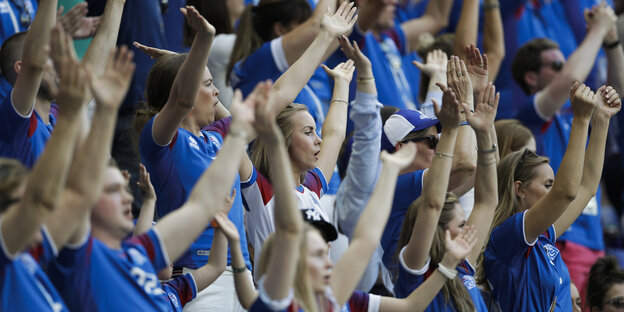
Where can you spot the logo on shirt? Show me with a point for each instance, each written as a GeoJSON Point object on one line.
{"type": "Point", "coordinates": [214, 141]}
{"type": "Point", "coordinates": [552, 252]}
{"type": "Point", "coordinates": [137, 257]}
{"type": "Point", "coordinates": [313, 215]}
{"type": "Point", "coordinates": [469, 282]}
{"type": "Point", "coordinates": [193, 143]}
{"type": "Point", "coordinates": [174, 300]}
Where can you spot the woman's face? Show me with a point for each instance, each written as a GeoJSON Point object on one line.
{"type": "Point", "coordinates": [113, 211]}
{"type": "Point", "coordinates": [535, 189]}
{"type": "Point", "coordinates": [206, 103]}
{"type": "Point", "coordinates": [457, 224]}
{"type": "Point", "coordinates": [576, 298]}
{"type": "Point", "coordinates": [317, 260]}
{"type": "Point", "coordinates": [424, 153]}
{"type": "Point", "coordinates": [305, 147]}
{"type": "Point", "coordinates": [614, 299]}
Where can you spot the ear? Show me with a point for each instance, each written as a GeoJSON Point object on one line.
{"type": "Point", "coordinates": [17, 66]}
{"type": "Point", "coordinates": [279, 29]}
{"type": "Point", "coordinates": [530, 77]}
{"type": "Point", "coordinates": [398, 146]}
{"type": "Point", "coordinates": [518, 189]}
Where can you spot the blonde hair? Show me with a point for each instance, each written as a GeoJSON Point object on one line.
{"type": "Point", "coordinates": [453, 289]}
{"type": "Point", "coordinates": [516, 166]}
{"type": "Point", "coordinates": [512, 135]}
{"type": "Point", "coordinates": [259, 155]}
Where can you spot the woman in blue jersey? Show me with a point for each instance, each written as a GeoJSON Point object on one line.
{"type": "Point", "coordinates": [521, 264]}
{"type": "Point", "coordinates": [436, 211]}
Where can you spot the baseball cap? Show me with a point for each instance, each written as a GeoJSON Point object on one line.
{"type": "Point", "coordinates": [403, 123]}
{"type": "Point", "coordinates": [314, 218]}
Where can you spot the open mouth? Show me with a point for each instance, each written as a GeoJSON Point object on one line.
{"type": "Point", "coordinates": [128, 213]}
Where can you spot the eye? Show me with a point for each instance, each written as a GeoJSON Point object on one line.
{"type": "Point", "coordinates": [548, 185]}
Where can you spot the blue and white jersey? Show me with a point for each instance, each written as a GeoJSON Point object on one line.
{"type": "Point", "coordinates": [526, 276]}
{"type": "Point", "coordinates": [269, 62]}
{"type": "Point", "coordinates": [23, 284]}
{"type": "Point", "coordinates": [552, 136]}
{"type": "Point", "coordinates": [22, 137]}
{"type": "Point", "coordinates": [408, 189]}
{"type": "Point", "coordinates": [179, 291]}
{"type": "Point", "coordinates": [15, 16]}
{"type": "Point", "coordinates": [174, 170]}
{"type": "Point", "coordinates": [93, 277]}
{"type": "Point", "coordinates": [359, 302]}
{"type": "Point", "coordinates": [409, 280]}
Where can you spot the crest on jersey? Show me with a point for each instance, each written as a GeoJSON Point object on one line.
{"type": "Point", "coordinates": [174, 300]}
{"type": "Point", "coordinates": [214, 141]}
{"type": "Point", "coordinates": [469, 282]}
{"type": "Point", "coordinates": [552, 251]}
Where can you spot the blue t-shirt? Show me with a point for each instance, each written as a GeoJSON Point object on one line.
{"type": "Point", "coordinates": [523, 276]}
{"type": "Point", "coordinates": [175, 169]}
{"type": "Point", "coordinates": [11, 14]}
{"type": "Point", "coordinates": [22, 137]}
{"type": "Point", "coordinates": [552, 137]}
{"type": "Point", "coordinates": [269, 62]}
{"type": "Point", "coordinates": [409, 280]}
{"type": "Point", "coordinates": [179, 291]}
{"type": "Point", "coordinates": [93, 277]}
{"type": "Point", "coordinates": [408, 189]}
{"type": "Point", "coordinates": [24, 285]}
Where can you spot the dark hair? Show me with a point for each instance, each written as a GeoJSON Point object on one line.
{"type": "Point", "coordinates": [603, 275]}
{"type": "Point", "coordinates": [427, 44]}
{"type": "Point", "coordinates": [158, 86]}
{"type": "Point", "coordinates": [256, 25]}
{"type": "Point", "coordinates": [12, 175]}
{"type": "Point", "coordinates": [215, 12]}
{"type": "Point", "coordinates": [528, 58]}
{"type": "Point", "coordinates": [10, 53]}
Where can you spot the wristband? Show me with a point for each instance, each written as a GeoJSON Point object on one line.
{"type": "Point", "coordinates": [338, 100]}
{"type": "Point", "coordinates": [448, 273]}
{"type": "Point", "coordinates": [464, 123]}
{"type": "Point", "coordinates": [486, 163]}
{"type": "Point", "coordinates": [440, 154]}
{"type": "Point", "coordinates": [488, 151]}
{"type": "Point", "coordinates": [239, 270]}
{"type": "Point", "coordinates": [364, 79]}
{"type": "Point", "coordinates": [611, 45]}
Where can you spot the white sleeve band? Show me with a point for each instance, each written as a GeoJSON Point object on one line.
{"type": "Point", "coordinates": [536, 108]}
{"type": "Point", "coordinates": [275, 305]}
{"type": "Point", "coordinates": [374, 302]}
{"type": "Point", "coordinates": [162, 246]}
{"type": "Point", "coordinates": [277, 51]}
{"type": "Point", "coordinates": [420, 271]}
{"type": "Point", "coordinates": [524, 232]}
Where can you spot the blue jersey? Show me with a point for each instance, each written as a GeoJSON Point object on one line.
{"type": "Point", "coordinates": [359, 302]}
{"type": "Point", "coordinates": [93, 277]}
{"type": "Point", "coordinates": [5, 88]}
{"type": "Point", "coordinates": [179, 291]}
{"type": "Point", "coordinates": [23, 284]}
{"type": "Point", "coordinates": [269, 62]}
{"type": "Point", "coordinates": [408, 188]}
{"type": "Point", "coordinates": [526, 276]}
{"type": "Point", "coordinates": [409, 280]}
{"type": "Point", "coordinates": [15, 16]}
{"type": "Point", "coordinates": [22, 137]}
{"type": "Point", "coordinates": [175, 168]}
{"type": "Point", "coordinates": [552, 136]}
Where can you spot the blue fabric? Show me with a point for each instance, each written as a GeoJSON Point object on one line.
{"type": "Point", "coordinates": [179, 291]}
{"type": "Point", "coordinates": [94, 277]}
{"type": "Point", "coordinates": [22, 138]}
{"type": "Point", "coordinates": [10, 16]}
{"type": "Point", "coordinates": [5, 88]}
{"type": "Point", "coordinates": [24, 285]}
{"type": "Point", "coordinates": [174, 22]}
{"type": "Point", "coordinates": [526, 277]}
{"type": "Point", "coordinates": [175, 169]}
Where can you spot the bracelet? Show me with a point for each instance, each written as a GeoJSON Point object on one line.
{"type": "Point", "coordinates": [464, 123]}
{"type": "Point", "coordinates": [490, 6]}
{"type": "Point", "coordinates": [214, 223]}
{"type": "Point", "coordinates": [488, 151]}
{"type": "Point", "coordinates": [338, 100]}
{"type": "Point", "coordinates": [448, 273]}
{"type": "Point", "coordinates": [611, 45]}
{"type": "Point", "coordinates": [486, 163]}
{"type": "Point", "coordinates": [239, 270]}
{"type": "Point", "coordinates": [440, 154]}
{"type": "Point", "coordinates": [364, 79]}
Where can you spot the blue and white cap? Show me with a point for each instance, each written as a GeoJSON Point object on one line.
{"type": "Point", "coordinates": [402, 123]}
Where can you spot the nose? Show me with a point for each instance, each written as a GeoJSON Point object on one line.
{"type": "Point", "coordinates": [318, 139]}
{"type": "Point", "coordinates": [216, 90]}
{"type": "Point", "coordinates": [128, 198]}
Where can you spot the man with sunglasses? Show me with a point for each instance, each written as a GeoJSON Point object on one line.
{"type": "Point", "coordinates": [541, 70]}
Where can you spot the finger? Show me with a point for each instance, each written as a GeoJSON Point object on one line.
{"type": "Point", "coordinates": [485, 61]}
{"type": "Point", "coordinates": [351, 14]}
{"type": "Point", "coordinates": [574, 88]}
{"type": "Point", "coordinates": [418, 65]}
{"type": "Point", "coordinates": [326, 69]}
{"type": "Point", "coordinates": [478, 58]}
{"type": "Point", "coordinates": [441, 86]}
{"type": "Point", "coordinates": [436, 107]}
{"type": "Point", "coordinates": [464, 70]}
{"type": "Point", "coordinates": [341, 9]}
{"type": "Point", "coordinates": [496, 100]}
{"type": "Point", "coordinates": [469, 114]}
{"type": "Point", "coordinates": [447, 235]}
{"type": "Point", "coordinates": [469, 55]}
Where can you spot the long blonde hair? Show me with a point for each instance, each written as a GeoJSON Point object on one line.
{"type": "Point", "coordinates": [454, 290]}
{"type": "Point", "coordinates": [259, 155]}
{"type": "Point", "coordinates": [512, 135]}
{"type": "Point", "coordinates": [516, 166]}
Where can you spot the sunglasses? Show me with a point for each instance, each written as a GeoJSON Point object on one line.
{"type": "Point", "coordinates": [556, 66]}
{"type": "Point", "coordinates": [617, 302]}
{"type": "Point", "coordinates": [432, 141]}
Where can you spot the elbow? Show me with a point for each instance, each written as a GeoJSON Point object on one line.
{"type": "Point", "coordinates": [464, 166]}
{"type": "Point", "coordinates": [566, 192]}
{"type": "Point", "coordinates": [43, 199]}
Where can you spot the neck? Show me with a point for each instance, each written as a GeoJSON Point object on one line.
{"type": "Point", "coordinates": [107, 237]}
{"type": "Point", "coordinates": [297, 175]}
{"type": "Point", "coordinates": [190, 125]}
{"type": "Point", "coordinates": [42, 106]}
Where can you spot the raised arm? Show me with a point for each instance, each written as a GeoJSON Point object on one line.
{"type": "Point", "coordinates": [456, 250]}
{"type": "Point", "coordinates": [493, 37]}
{"type": "Point", "coordinates": [436, 17]}
{"type": "Point", "coordinates": [146, 215]}
{"type": "Point", "coordinates": [77, 23]}
{"type": "Point", "coordinates": [467, 29]}
{"type": "Point", "coordinates": [578, 65]}
{"type": "Point", "coordinates": [348, 271]}
{"type": "Point", "coordinates": [106, 37]}
{"type": "Point", "coordinates": [435, 69]}
{"type": "Point", "coordinates": [608, 104]}
{"type": "Point", "coordinates": [215, 183]}
{"type": "Point", "coordinates": [85, 181]}
{"type": "Point", "coordinates": [34, 57]}
{"type": "Point", "coordinates": [615, 60]}
{"type": "Point", "coordinates": [434, 186]}
{"type": "Point", "coordinates": [186, 83]}
{"type": "Point", "coordinates": [217, 260]}
{"type": "Point", "coordinates": [47, 179]}
{"type": "Point", "coordinates": [288, 86]}
{"type": "Point", "coordinates": [335, 124]}
{"type": "Point", "coordinates": [566, 185]}
{"type": "Point", "coordinates": [486, 185]}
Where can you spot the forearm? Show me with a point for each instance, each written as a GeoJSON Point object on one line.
{"type": "Point", "coordinates": [493, 40]}
{"type": "Point", "coordinates": [245, 290]}
{"type": "Point", "coordinates": [435, 184]}
{"type": "Point", "coordinates": [365, 80]}
{"type": "Point", "coordinates": [105, 38]}
{"type": "Point", "coordinates": [577, 66]}
{"type": "Point", "coordinates": [569, 173]}
{"type": "Point", "coordinates": [38, 35]}
{"type": "Point", "coordinates": [217, 260]}
{"type": "Point", "coordinates": [465, 160]}
{"type": "Point", "coordinates": [615, 68]}
{"type": "Point", "coordinates": [420, 298]}
{"type": "Point", "coordinates": [486, 192]}
{"type": "Point", "coordinates": [189, 77]}
{"type": "Point", "coordinates": [335, 121]}
{"type": "Point", "coordinates": [146, 217]}
{"type": "Point", "coordinates": [466, 31]}
{"type": "Point", "coordinates": [594, 155]}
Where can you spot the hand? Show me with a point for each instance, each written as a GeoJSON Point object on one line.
{"type": "Point", "coordinates": [229, 201]}
{"type": "Point", "coordinates": [477, 66]}
{"type": "Point", "coordinates": [243, 112]}
{"type": "Point", "coordinates": [265, 124]}
{"type": "Point", "coordinates": [341, 22]}
{"type": "Point", "coordinates": [153, 53]}
{"type": "Point", "coordinates": [228, 228]}
{"type": "Point", "coordinates": [352, 51]}
{"type": "Point", "coordinates": [458, 80]}
{"type": "Point", "coordinates": [436, 63]}
{"type": "Point", "coordinates": [72, 91]}
{"type": "Point", "coordinates": [110, 89]}
{"type": "Point", "coordinates": [449, 114]}
{"type": "Point", "coordinates": [197, 22]}
{"type": "Point", "coordinates": [485, 110]}
{"type": "Point", "coordinates": [342, 72]}
{"type": "Point", "coordinates": [608, 102]}
{"type": "Point", "coordinates": [401, 158]}
{"type": "Point", "coordinates": [77, 23]}
{"type": "Point", "coordinates": [600, 17]}
{"type": "Point", "coordinates": [62, 48]}
{"type": "Point", "coordinates": [458, 249]}
{"type": "Point", "coordinates": [147, 189]}
{"type": "Point", "coordinates": [583, 101]}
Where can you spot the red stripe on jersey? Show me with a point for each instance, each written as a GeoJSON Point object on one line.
{"type": "Point", "coordinates": [546, 125]}
{"type": "Point", "coordinates": [173, 141]}
{"type": "Point", "coordinates": [145, 241]}
{"type": "Point", "coordinates": [32, 127]}
{"type": "Point", "coordinates": [313, 182]}
{"type": "Point", "coordinates": [528, 252]}
{"type": "Point", "coordinates": [266, 190]}
{"type": "Point", "coordinates": [36, 252]}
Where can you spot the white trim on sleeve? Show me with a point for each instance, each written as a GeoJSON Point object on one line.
{"type": "Point", "coordinates": [32, 109]}
{"type": "Point", "coordinates": [523, 230]}
{"type": "Point", "coordinates": [3, 247]}
{"type": "Point", "coordinates": [82, 240]}
{"type": "Point", "coordinates": [279, 56]}
{"type": "Point", "coordinates": [275, 305]}
{"type": "Point", "coordinates": [536, 108]}
{"type": "Point", "coordinates": [162, 246]}
{"type": "Point", "coordinates": [45, 231]}
{"type": "Point", "coordinates": [420, 271]}
{"type": "Point", "coordinates": [374, 302]}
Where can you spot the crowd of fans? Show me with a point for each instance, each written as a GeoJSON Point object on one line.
{"type": "Point", "coordinates": [218, 155]}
